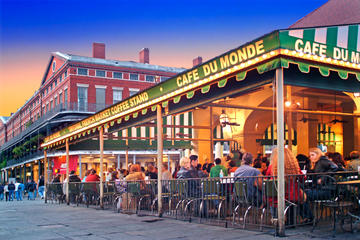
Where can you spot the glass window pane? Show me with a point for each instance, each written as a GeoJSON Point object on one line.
{"type": "Point", "coordinates": [133, 91]}
{"type": "Point", "coordinates": [150, 78]}
{"type": "Point", "coordinates": [100, 98]}
{"type": "Point", "coordinates": [118, 75]}
{"type": "Point", "coordinates": [82, 98]}
{"type": "Point", "coordinates": [82, 71]}
{"type": "Point", "coordinates": [100, 73]}
{"type": "Point", "coordinates": [117, 96]}
{"type": "Point", "coordinates": [134, 76]}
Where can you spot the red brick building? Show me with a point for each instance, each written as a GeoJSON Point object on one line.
{"type": "Point", "coordinates": [72, 88]}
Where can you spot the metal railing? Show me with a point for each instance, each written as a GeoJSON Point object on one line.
{"type": "Point", "coordinates": [239, 202]}
{"type": "Point", "coordinates": [89, 108]}
{"type": "Point", "coordinates": [31, 155]}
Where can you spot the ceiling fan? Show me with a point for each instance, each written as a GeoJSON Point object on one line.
{"type": "Point", "coordinates": [335, 120]}
{"type": "Point", "coordinates": [225, 120]}
{"type": "Point", "coordinates": [306, 119]}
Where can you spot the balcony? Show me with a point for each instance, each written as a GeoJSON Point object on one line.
{"type": "Point", "coordinates": [61, 109]}
{"type": "Point", "coordinates": [32, 155]}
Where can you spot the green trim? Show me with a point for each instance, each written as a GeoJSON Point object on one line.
{"type": "Point", "coordinates": [190, 94]}
{"type": "Point", "coordinates": [144, 111]}
{"type": "Point", "coordinates": [153, 108]}
{"type": "Point", "coordinates": [135, 115]}
{"type": "Point", "coordinates": [222, 83]}
{"type": "Point", "coordinates": [304, 67]}
{"type": "Point", "coordinates": [127, 118]}
{"type": "Point", "coordinates": [118, 121]}
{"type": "Point", "coordinates": [324, 71]}
{"type": "Point", "coordinates": [204, 89]}
{"type": "Point", "coordinates": [309, 34]}
{"type": "Point", "coordinates": [353, 37]}
{"type": "Point", "coordinates": [165, 104]}
{"type": "Point", "coordinates": [241, 76]}
{"type": "Point", "coordinates": [343, 74]}
{"type": "Point", "coordinates": [358, 76]}
{"type": "Point", "coordinates": [176, 99]}
{"type": "Point", "coordinates": [268, 66]}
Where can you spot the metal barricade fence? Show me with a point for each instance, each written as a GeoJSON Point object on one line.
{"type": "Point", "coordinates": [244, 202]}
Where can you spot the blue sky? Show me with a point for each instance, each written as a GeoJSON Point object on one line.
{"type": "Point", "coordinates": [175, 31]}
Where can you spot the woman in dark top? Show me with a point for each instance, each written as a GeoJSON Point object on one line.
{"type": "Point", "coordinates": [321, 188]}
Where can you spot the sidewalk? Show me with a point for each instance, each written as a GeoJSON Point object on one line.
{"type": "Point", "coordinates": [35, 220]}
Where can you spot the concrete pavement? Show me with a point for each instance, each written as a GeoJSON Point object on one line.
{"type": "Point", "coordinates": [35, 220]}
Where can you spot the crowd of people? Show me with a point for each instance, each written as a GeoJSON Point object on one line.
{"type": "Point", "coordinates": [9, 191]}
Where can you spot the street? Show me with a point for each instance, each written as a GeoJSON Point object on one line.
{"type": "Point", "coordinates": [35, 220]}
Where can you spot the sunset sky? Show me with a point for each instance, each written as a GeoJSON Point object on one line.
{"type": "Point", "coordinates": [174, 31]}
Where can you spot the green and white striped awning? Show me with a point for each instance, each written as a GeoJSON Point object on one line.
{"type": "Point", "coordinates": [345, 37]}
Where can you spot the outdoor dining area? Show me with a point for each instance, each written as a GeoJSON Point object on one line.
{"type": "Point", "coordinates": [229, 201]}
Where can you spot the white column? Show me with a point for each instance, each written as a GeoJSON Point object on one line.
{"type": "Point", "coordinates": [118, 161]}
{"type": "Point", "coordinates": [67, 172]}
{"type": "Point", "coordinates": [134, 158]}
{"type": "Point", "coordinates": [159, 156]}
{"type": "Point", "coordinates": [280, 146]}
{"type": "Point", "coordinates": [45, 174]}
{"type": "Point", "coordinates": [101, 138]}
{"type": "Point", "coordinates": [80, 168]}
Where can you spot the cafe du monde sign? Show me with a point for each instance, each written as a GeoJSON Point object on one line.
{"type": "Point", "coordinates": [283, 39]}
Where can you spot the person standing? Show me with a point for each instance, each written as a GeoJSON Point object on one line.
{"type": "Point", "coordinates": [31, 187]}
{"type": "Point", "coordinates": [6, 191]}
{"type": "Point", "coordinates": [20, 191]}
{"type": "Point", "coordinates": [41, 186]}
{"type": "Point", "coordinates": [11, 188]}
{"type": "Point", "coordinates": [17, 189]}
{"type": "Point", "coordinates": [1, 192]}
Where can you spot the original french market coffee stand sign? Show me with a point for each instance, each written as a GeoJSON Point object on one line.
{"type": "Point", "coordinates": [338, 46]}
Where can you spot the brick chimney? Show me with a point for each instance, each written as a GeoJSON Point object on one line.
{"type": "Point", "coordinates": [144, 56]}
{"type": "Point", "coordinates": [99, 50]}
{"type": "Point", "coordinates": [197, 61]}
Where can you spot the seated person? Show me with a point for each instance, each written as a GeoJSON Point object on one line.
{"type": "Point", "coordinates": [248, 173]}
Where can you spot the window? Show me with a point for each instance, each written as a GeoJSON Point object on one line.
{"type": "Point", "coordinates": [60, 78]}
{"type": "Point", "coordinates": [47, 107]}
{"type": "Point", "coordinates": [55, 101]}
{"type": "Point", "coordinates": [118, 75]}
{"type": "Point", "coordinates": [51, 104]}
{"type": "Point", "coordinates": [150, 78]}
{"type": "Point", "coordinates": [55, 82]}
{"type": "Point", "coordinates": [100, 98]}
{"type": "Point", "coordinates": [134, 76]}
{"type": "Point", "coordinates": [60, 98]}
{"type": "Point", "coordinates": [133, 91]}
{"type": "Point", "coordinates": [163, 78]}
{"type": "Point", "coordinates": [65, 74]}
{"type": "Point", "coordinates": [65, 97]}
{"type": "Point", "coordinates": [53, 66]}
{"type": "Point", "coordinates": [82, 98]}
{"type": "Point", "coordinates": [51, 87]}
{"type": "Point", "coordinates": [100, 73]}
{"type": "Point", "coordinates": [47, 91]}
{"type": "Point", "coordinates": [117, 95]}
{"type": "Point", "coordinates": [82, 71]}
